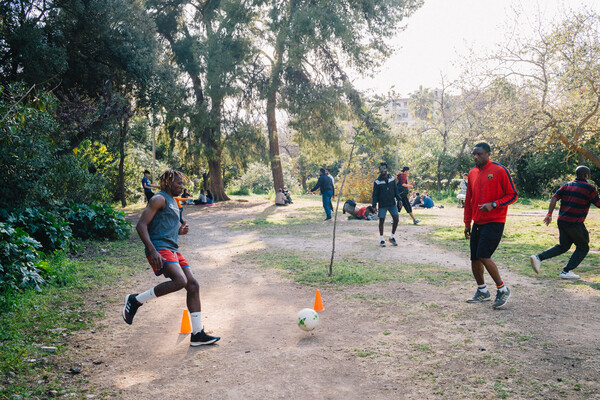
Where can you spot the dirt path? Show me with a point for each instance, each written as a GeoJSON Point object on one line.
{"type": "Point", "coordinates": [390, 341]}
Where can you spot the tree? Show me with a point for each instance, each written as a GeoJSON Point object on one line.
{"type": "Point", "coordinates": [441, 112]}
{"type": "Point", "coordinates": [97, 56]}
{"type": "Point", "coordinates": [210, 43]}
{"type": "Point", "coordinates": [555, 87]}
{"type": "Point", "coordinates": [311, 44]}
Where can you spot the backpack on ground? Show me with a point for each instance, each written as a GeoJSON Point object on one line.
{"type": "Point", "coordinates": [349, 206]}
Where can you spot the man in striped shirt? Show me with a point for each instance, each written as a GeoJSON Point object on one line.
{"type": "Point", "coordinates": [575, 199]}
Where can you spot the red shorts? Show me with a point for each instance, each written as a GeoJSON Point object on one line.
{"type": "Point", "coordinates": [169, 257]}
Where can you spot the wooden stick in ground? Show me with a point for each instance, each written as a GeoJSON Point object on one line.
{"type": "Point", "coordinates": [337, 206]}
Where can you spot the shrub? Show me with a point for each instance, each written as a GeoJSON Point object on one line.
{"type": "Point", "coordinates": [18, 255]}
{"type": "Point", "coordinates": [358, 186]}
{"type": "Point", "coordinates": [97, 221]}
{"type": "Point", "coordinates": [238, 191]}
{"type": "Point", "coordinates": [49, 229]}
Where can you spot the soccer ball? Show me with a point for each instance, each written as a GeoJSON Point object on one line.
{"type": "Point", "coordinates": [308, 319]}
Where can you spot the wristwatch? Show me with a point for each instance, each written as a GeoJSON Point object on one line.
{"type": "Point", "coordinates": [494, 205]}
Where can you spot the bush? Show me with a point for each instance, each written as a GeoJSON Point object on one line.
{"type": "Point", "coordinates": [311, 182]}
{"type": "Point", "coordinates": [238, 191]}
{"type": "Point", "coordinates": [359, 186]}
{"type": "Point", "coordinates": [97, 221]}
{"type": "Point", "coordinates": [49, 229]}
{"type": "Point", "coordinates": [18, 255]}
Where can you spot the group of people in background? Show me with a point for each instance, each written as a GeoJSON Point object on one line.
{"type": "Point", "coordinates": [205, 197]}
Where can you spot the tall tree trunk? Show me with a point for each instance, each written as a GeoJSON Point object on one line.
{"type": "Point", "coordinates": [274, 141]}
{"type": "Point", "coordinates": [216, 179]}
{"type": "Point", "coordinates": [303, 179]}
{"type": "Point", "coordinates": [123, 136]}
{"type": "Point", "coordinates": [205, 180]}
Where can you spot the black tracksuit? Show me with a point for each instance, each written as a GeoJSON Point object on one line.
{"type": "Point", "coordinates": [385, 192]}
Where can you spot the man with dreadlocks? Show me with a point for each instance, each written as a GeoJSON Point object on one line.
{"type": "Point", "coordinates": [159, 227]}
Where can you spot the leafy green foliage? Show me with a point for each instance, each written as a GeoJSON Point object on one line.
{"type": "Point", "coordinates": [18, 255]}
{"type": "Point", "coordinates": [97, 221]}
{"type": "Point", "coordinates": [539, 173]}
{"type": "Point", "coordinates": [30, 318]}
{"type": "Point", "coordinates": [49, 229]}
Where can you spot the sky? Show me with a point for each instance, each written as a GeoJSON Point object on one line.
{"type": "Point", "coordinates": [440, 33]}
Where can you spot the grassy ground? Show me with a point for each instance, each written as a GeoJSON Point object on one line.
{"type": "Point", "coordinates": [526, 234]}
{"type": "Point", "coordinates": [32, 321]}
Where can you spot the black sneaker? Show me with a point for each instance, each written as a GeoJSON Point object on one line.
{"type": "Point", "coordinates": [130, 308]}
{"type": "Point", "coordinates": [327, 219]}
{"type": "Point", "coordinates": [382, 243]}
{"type": "Point", "coordinates": [393, 241]}
{"type": "Point", "coordinates": [201, 338]}
{"type": "Point", "coordinates": [480, 297]}
{"type": "Point", "coordinates": [501, 298]}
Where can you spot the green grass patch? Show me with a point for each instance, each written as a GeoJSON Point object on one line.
{"type": "Point", "coordinates": [525, 235]}
{"type": "Point", "coordinates": [351, 271]}
{"type": "Point", "coordinates": [33, 319]}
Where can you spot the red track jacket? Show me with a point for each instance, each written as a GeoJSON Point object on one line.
{"type": "Point", "coordinates": [492, 183]}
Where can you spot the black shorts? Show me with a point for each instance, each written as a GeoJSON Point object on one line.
{"type": "Point", "coordinates": [149, 195]}
{"type": "Point", "coordinates": [485, 239]}
{"type": "Point", "coordinates": [404, 203]}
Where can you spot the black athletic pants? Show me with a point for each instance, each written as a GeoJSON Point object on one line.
{"type": "Point", "coordinates": [404, 203]}
{"type": "Point", "coordinates": [569, 234]}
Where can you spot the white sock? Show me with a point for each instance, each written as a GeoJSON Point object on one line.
{"type": "Point", "coordinates": [483, 288]}
{"type": "Point", "coordinates": [381, 238]}
{"type": "Point", "coordinates": [147, 295]}
{"type": "Point", "coordinates": [196, 322]}
{"type": "Point", "coordinates": [392, 236]}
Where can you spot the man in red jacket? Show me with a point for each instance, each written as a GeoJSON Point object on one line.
{"type": "Point", "coordinates": [490, 190]}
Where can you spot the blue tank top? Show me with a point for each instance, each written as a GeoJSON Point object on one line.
{"type": "Point", "coordinates": [164, 227]}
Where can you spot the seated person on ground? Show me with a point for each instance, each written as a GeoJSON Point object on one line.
{"type": "Point", "coordinates": [427, 201]}
{"type": "Point", "coordinates": [412, 197]}
{"type": "Point", "coordinates": [417, 201]}
{"type": "Point", "coordinates": [186, 197]}
{"type": "Point", "coordinates": [210, 199]}
{"type": "Point", "coordinates": [201, 198]}
{"type": "Point", "coordinates": [286, 192]}
{"type": "Point", "coordinates": [280, 199]}
{"type": "Point", "coordinates": [366, 213]}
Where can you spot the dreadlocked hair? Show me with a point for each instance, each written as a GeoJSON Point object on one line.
{"type": "Point", "coordinates": [167, 178]}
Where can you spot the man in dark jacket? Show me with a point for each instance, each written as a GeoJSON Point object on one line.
{"type": "Point", "coordinates": [385, 195]}
{"type": "Point", "coordinates": [325, 183]}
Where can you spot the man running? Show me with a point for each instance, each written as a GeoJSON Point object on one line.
{"type": "Point", "coordinates": [575, 199]}
{"type": "Point", "coordinates": [385, 194]}
{"type": "Point", "coordinates": [403, 187]}
{"type": "Point", "coordinates": [490, 190]}
{"type": "Point", "coordinates": [159, 228]}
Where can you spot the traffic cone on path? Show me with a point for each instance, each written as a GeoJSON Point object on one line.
{"type": "Point", "coordinates": [186, 326]}
{"type": "Point", "coordinates": [318, 302]}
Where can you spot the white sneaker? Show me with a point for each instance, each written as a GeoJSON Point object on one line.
{"type": "Point", "coordinates": [569, 275]}
{"type": "Point", "coordinates": [535, 263]}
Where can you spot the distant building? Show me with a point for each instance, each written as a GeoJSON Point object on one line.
{"type": "Point", "coordinates": [400, 111]}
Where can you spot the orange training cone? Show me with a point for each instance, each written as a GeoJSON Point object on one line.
{"type": "Point", "coordinates": [318, 302]}
{"type": "Point", "coordinates": [186, 327]}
